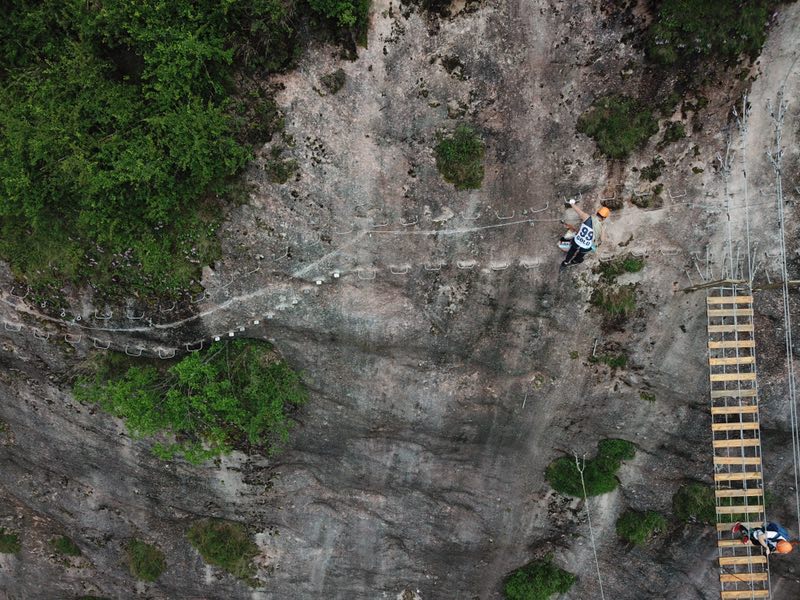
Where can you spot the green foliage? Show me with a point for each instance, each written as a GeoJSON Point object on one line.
{"type": "Point", "coordinates": [145, 560]}
{"type": "Point", "coordinates": [9, 542]}
{"type": "Point", "coordinates": [278, 169]}
{"type": "Point", "coordinates": [350, 14]}
{"type": "Point", "coordinates": [611, 269]}
{"type": "Point", "coordinates": [599, 472]}
{"type": "Point", "coordinates": [333, 82]}
{"type": "Point", "coordinates": [618, 124]}
{"type": "Point", "coordinates": [574, 354]}
{"type": "Point", "coordinates": [235, 394]}
{"type": "Point", "coordinates": [687, 29]}
{"type": "Point", "coordinates": [64, 545]}
{"type": "Point", "coordinates": [117, 124]}
{"type": "Point", "coordinates": [639, 528]}
{"type": "Point", "coordinates": [653, 171]}
{"type": "Point", "coordinates": [695, 502]}
{"type": "Point", "coordinates": [615, 302]}
{"type": "Point", "coordinates": [647, 396]}
{"type": "Point", "coordinates": [615, 361]}
{"type": "Point", "coordinates": [459, 158]}
{"type": "Point", "coordinates": [538, 580]}
{"type": "Point", "coordinates": [674, 131]}
{"type": "Point", "coordinates": [225, 545]}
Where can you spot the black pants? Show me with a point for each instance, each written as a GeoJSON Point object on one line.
{"type": "Point", "coordinates": [575, 254]}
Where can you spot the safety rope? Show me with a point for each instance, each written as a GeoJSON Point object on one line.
{"type": "Point", "coordinates": [580, 464]}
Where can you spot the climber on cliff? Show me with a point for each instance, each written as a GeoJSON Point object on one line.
{"type": "Point", "coordinates": [772, 537]}
{"type": "Point", "coordinates": [588, 235]}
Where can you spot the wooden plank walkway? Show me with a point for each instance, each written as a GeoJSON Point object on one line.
{"type": "Point", "coordinates": [738, 473]}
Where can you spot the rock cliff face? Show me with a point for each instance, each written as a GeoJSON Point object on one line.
{"type": "Point", "coordinates": [448, 363]}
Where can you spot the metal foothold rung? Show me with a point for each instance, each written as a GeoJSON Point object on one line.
{"type": "Point", "coordinates": [194, 346]}
{"type": "Point", "coordinates": [475, 218]}
{"type": "Point", "coordinates": [170, 309]}
{"type": "Point", "coordinates": [505, 218]}
{"type": "Point", "coordinates": [434, 267]}
{"type": "Point", "coordinates": [199, 298]}
{"type": "Point", "coordinates": [367, 274]}
{"type": "Point", "coordinates": [16, 295]}
{"type": "Point", "coordinates": [166, 352]}
{"type": "Point", "coordinates": [129, 353]}
{"type": "Point", "coordinates": [399, 269]}
{"type": "Point", "coordinates": [8, 326]}
{"type": "Point", "coordinates": [466, 264]}
{"type": "Point", "coordinates": [348, 232]}
{"type": "Point", "coordinates": [132, 316]}
{"type": "Point", "coordinates": [41, 335]}
{"type": "Point", "coordinates": [98, 343]}
{"type": "Point", "coordinates": [499, 266]}
{"type": "Point", "coordinates": [410, 223]}
{"type": "Point", "coordinates": [103, 317]}
{"type": "Point", "coordinates": [528, 263]}
{"type": "Point", "coordinates": [676, 196]}
{"type": "Point", "coordinates": [73, 339]}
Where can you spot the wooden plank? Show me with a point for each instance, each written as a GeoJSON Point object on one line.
{"type": "Point", "coordinates": [729, 299]}
{"type": "Point", "coordinates": [738, 493]}
{"type": "Point", "coordinates": [737, 476]}
{"type": "Point", "coordinates": [733, 393]}
{"type": "Point", "coordinates": [751, 509]}
{"type": "Point", "coordinates": [737, 460]}
{"type": "Point", "coordinates": [729, 543]}
{"type": "Point", "coordinates": [748, 426]}
{"type": "Point", "coordinates": [721, 527]}
{"type": "Point", "coordinates": [729, 312]}
{"type": "Point", "coordinates": [734, 410]}
{"type": "Point", "coordinates": [733, 595]}
{"type": "Point", "coordinates": [733, 377]}
{"type": "Point", "coordinates": [755, 559]}
{"type": "Point", "coordinates": [738, 443]}
{"type": "Point", "coordinates": [733, 577]}
{"type": "Point", "coordinates": [734, 360]}
{"type": "Point", "coordinates": [732, 344]}
{"type": "Point", "coordinates": [741, 328]}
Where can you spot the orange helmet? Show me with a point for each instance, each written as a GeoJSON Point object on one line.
{"type": "Point", "coordinates": [783, 547]}
{"type": "Point", "coordinates": [603, 212]}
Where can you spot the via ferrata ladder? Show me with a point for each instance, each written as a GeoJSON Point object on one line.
{"type": "Point", "coordinates": [738, 474]}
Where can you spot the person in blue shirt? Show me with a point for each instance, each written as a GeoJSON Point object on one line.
{"type": "Point", "coordinates": [588, 235]}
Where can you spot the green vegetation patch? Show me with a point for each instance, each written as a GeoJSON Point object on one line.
{"type": "Point", "coordinates": [537, 580]}
{"type": "Point", "coordinates": [146, 561]}
{"type": "Point", "coordinates": [647, 396]}
{"type": "Point", "coordinates": [9, 542]}
{"type": "Point", "coordinates": [611, 269]}
{"type": "Point", "coordinates": [695, 502]}
{"type": "Point", "coordinates": [64, 545]}
{"type": "Point", "coordinates": [615, 361]}
{"type": "Point", "coordinates": [235, 394]}
{"type": "Point", "coordinates": [640, 527]}
{"type": "Point", "coordinates": [615, 302]}
{"type": "Point", "coordinates": [687, 29]}
{"type": "Point", "coordinates": [653, 171]}
{"type": "Point", "coordinates": [599, 472]}
{"type": "Point", "coordinates": [225, 545]}
{"type": "Point", "coordinates": [333, 82]}
{"type": "Point", "coordinates": [279, 169]}
{"type": "Point", "coordinates": [123, 127]}
{"type": "Point", "coordinates": [459, 158]}
{"type": "Point", "coordinates": [673, 132]}
{"type": "Point", "coordinates": [618, 125]}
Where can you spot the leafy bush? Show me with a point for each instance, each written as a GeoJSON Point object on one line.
{"type": "Point", "coordinates": [618, 125]}
{"type": "Point", "coordinates": [333, 82]}
{"type": "Point", "coordinates": [695, 502]}
{"type": "Point", "coordinates": [459, 158]}
{"type": "Point", "coordinates": [674, 131]}
{"type": "Point", "coordinates": [64, 545]}
{"type": "Point", "coordinates": [346, 13]}
{"type": "Point", "coordinates": [638, 528]}
{"type": "Point", "coordinates": [687, 29]}
{"type": "Point", "coordinates": [615, 301]}
{"type": "Point", "coordinates": [599, 473]}
{"type": "Point", "coordinates": [647, 396]}
{"type": "Point", "coordinates": [225, 545]}
{"type": "Point", "coordinates": [9, 542]}
{"type": "Point", "coordinates": [653, 171]}
{"type": "Point", "coordinates": [278, 169]}
{"type": "Point", "coordinates": [537, 580]}
{"type": "Point", "coordinates": [235, 394]}
{"type": "Point", "coordinates": [615, 361]}
{"type": "Point", "coordinates": [611, 269]}
{"type": "Point", "coordinates": [145, 560]}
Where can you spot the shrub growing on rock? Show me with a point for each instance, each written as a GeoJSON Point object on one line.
{"type": "Point", "coordinates": [9, 542]}
{"type": "Point", "coordinates": [695, 502]}
{"type": "Point", "coordinates": [459, 158]}
{"type": "Point", "coordinates": [537, 580]}
{"type": "Point", "coordinates": [618, 125]}
{"type": "Point", "coordinates": [639, 527]}
{"type": "Point", "coordinates": [235, 394]}
{"type": "Point", "coordinates": [225, 545]}
{"type": "Point", "coordinates": [145, 561]}
{"type": "Point", "coordinates": [599, 472]}
{"type": "Point", "coordinates": [64, 545]}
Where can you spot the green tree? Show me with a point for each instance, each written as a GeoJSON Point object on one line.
{"type": "Point", "coordinates": [235, 394]}
{"type": "Point", "coordinates": [618, 124]}
{"type": "Point", "coordinates": [459, 158]}
{"type": "Point", "coordinates": [537, 580]}
{"type": "Point", "coordinates": [599, 472]}
{"type": "Point", "coordinates": [226, 545]}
